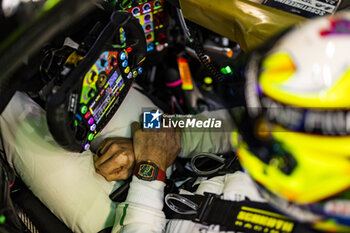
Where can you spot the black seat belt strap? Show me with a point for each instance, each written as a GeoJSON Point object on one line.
{"type": "Point", "coordinates": [243, 216]}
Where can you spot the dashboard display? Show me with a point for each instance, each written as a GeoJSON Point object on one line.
{"type": "Point", "coordinates": [106, 97]}
{"type": "Point", "coordinates": [100, 91]}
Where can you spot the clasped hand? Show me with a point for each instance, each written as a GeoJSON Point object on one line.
{"type": "Point", "coordinates": [116, 157]}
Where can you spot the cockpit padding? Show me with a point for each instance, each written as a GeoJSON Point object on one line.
{"type": "Point", "coordinates": [65, 182]}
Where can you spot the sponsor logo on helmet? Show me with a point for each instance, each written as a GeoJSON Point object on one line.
{"type": "Point", "coordinates": [318, 121]}
{"type": "Point", "coordinates": [338, 27]}
{"type": "Point", "coordinates": [338, 207]}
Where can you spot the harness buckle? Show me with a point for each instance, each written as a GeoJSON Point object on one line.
{"type": "Point", "coordinates": [205, 207]}
{"type": "Point", "coordinates": [199, 211]}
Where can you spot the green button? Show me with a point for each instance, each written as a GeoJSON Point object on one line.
{"type": "Point", "coordinates": [84, 109]}
{"type": "Point", "coordinates": [126, 4]}
{"type": "Point", "coordinates": [2, 219]}
{"type": "Point", "coordinates": [134, 74]}
{"type": "Point", "coordinates": [76, 123]}
{"type": "Point", "coordinates": [226, 70]}
{"type": "Point", "coordinates": [91, 136]}
{"type": "Point", "coordinates": [92, 93]}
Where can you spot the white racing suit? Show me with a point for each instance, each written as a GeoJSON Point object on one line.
{"type": "Point", "coordinates": [142, 210]}
{"type": "Point", "coordinates": [68, 185]}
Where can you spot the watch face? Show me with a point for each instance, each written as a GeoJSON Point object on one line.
{"type": "Point", "coordinates": [146, 171]}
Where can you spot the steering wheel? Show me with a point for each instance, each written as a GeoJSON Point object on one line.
{"type": "Point", "coordinates": [94, 90]}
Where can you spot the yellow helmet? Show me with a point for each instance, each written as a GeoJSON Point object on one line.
{"type": "Point", "coordinates": [294, 134]}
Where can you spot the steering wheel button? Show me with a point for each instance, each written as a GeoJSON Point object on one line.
{"type": "Point", "coordinates": [92, 93]}
{"type": "Point", "coordinates": [147, 18]}
{"type": "Point", "coordinates": [90, 77]}
{"type": "Point", "coordinates": [93, 127]}
{"type": "Point", "coordinates": [125, 63]}
{"type": "Point", "coordinates": [129, 75]}
{"type": "Point", "coordinates": [87, 115]}
{"type": "Point", "coordinates": [90, 137]}
{"type": "Point", "coordinates": [91, 121]}
{"type": "Point", "coordinates": [123, 56]}
{"type": "Point", "coordinates": [126, 4]}
{"type": "Point", "coordinates": [101, 81]}
{"type": "Point", "coordinates": [127, 69]}
{"type": "Point", "coordinates": [140, 70]}
{"type": "Point", "coordinates": [146, 7]}
{"type": "Point", "coordinates": [157, 4]}
{"type": "Point", "coordinates": [122, 38]}
{"type": "Point", "coordinates": [150, 47]}
{"type": "Point", "coordinates": [136, 11]}
{"type": "Point", "coordinates": [84, 109]}
{"type": "Point", "coordinates": [129, 49]}
{"type": "Point", "coordinates": [113, 61]}
{"type": "Point", "coordinates": [78, 117]}
{"type": "Point", "coordinates": [87, 146]}
{"type": "Point", "coordinates": [103, 63]}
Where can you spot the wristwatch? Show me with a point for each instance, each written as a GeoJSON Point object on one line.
{"type": "Point", "coordinates": [146, 170]}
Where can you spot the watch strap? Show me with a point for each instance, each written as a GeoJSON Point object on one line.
{"type": "Point", "coordinates": [161, 176]}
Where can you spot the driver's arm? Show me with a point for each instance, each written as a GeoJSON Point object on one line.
{"type": "Point", "coordinates": [142, 210]}
{"type": "Point", "coordinates": [194, 141]}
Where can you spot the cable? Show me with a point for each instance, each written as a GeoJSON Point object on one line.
{"type": "Point", "coordinates": [205, 59]}
{"type": "Point", "coordinates": [194, 43]}
{"type": "Point", "coordinates": [184, 25]}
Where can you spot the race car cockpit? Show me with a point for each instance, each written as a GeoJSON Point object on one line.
{"type": "Point", "coordinates": [75, 72]}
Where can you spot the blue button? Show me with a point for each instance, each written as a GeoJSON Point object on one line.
{"type": "Point", "coordinates": [78, 117]}
{"type": "Point", "coordinates": [150, 47]}
{"type": "Point", "coordinates": [129, 75]}
{"type": "Point", "coordinates": [87, 146]}
{"type": "Point", "coordinates": [139, 70]}
{"type": "Point", "coordinates": [122, 56]}
{"type": "Point", "coordinates": [93, 127]}
{"type": "Point", "coordinates": [125, 63]}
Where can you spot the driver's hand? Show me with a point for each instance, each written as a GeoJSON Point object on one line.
{"type": "Point", "coordinates": [116, 160]}
{"type": "Point", "coordinates": [159, 146]}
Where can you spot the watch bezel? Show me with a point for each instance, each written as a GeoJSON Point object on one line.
{"type": "Point", "coordinates": [148, 163]}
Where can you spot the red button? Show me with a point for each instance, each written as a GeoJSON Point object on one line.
{"type": "Point", "coordinates": [87, 115]}
{"type": "Point", "coordinates": [129, 49]}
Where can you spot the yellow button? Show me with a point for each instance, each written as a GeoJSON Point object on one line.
{"type": "Point", "coordinates": [208, 80]}
{"type": "Point", "coordinates": [127, 69]}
